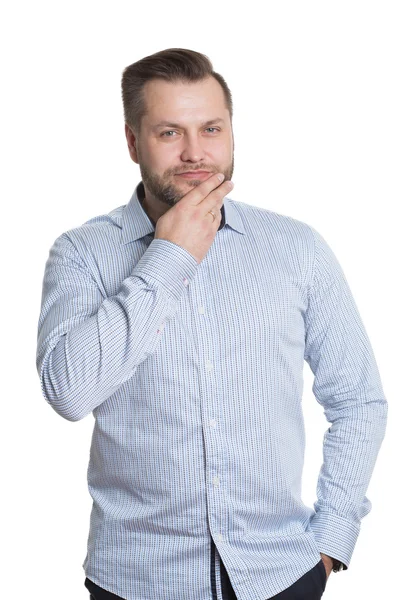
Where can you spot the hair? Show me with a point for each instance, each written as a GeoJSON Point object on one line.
{"type": "Point", "coordinates": [174, 64]}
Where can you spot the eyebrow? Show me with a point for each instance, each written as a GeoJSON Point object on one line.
{"type": "Point", "coordinates": [169, 124]}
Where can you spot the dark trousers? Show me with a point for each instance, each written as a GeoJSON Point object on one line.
{"type": "Point", "coordinates": [310, 586]}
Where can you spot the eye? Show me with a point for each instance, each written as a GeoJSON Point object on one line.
{"type": "Point", "coordinates": [165, 133]}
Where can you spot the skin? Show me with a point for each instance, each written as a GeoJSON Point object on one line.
{"type": "Point", "coordinates": [327, 563]}
{"type": "Point", "coordinates": [165, 152]}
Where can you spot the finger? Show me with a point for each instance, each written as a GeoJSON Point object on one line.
{"type": "Point", "coordinates": [201, 191]}
{"type": "Point", "coordinates": [218, 215]}
{"type": "Point", "coordinates": [216, 197]}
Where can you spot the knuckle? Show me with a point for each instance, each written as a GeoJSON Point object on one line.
{"type": "Point", "coordinates": [179, 207]}
{"type": "Point", "coordinates": [197, 214]}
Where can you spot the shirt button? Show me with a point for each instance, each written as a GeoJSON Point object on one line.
{"type": "Point", "coordinates": [213, 423]}
{"type": "Point", "coordinates": [216, 481]}
{"type": "Point", "coordinates": [209, 365]}
{"type": "Point", "coordinates": [160, 327]}
{"type": "Point", "coordinates": [201, 310]}
{"type": "Point", "coordinates": [186, 281]}
{"type": "Point", "coordinates": [220, 537]}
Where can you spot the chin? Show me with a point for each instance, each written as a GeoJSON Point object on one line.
{"type": "Point", "coordinates": [192, 182]}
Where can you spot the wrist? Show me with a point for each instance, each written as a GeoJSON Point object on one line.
{"type": "Point", "coordinates": [337, 565]}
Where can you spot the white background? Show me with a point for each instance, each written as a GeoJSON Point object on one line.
{"type": "Point", "coordinates": [316, 121]}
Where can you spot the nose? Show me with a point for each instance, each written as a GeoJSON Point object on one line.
{"type": "Point", "coordinates": [192, 150]}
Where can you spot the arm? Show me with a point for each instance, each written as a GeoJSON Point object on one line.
{"type": "Point", "coordinates": [88, 345]}
{"type": "Point", "coordinates": [348, 385]}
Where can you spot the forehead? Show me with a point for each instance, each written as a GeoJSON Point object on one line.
{"type": "Point", "coordinates": [179, 100]}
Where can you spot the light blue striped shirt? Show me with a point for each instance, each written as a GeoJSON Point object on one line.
{"type": "Point", "coordinates": [193, 373]}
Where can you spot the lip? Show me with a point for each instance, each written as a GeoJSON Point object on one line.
{"type": "Point", "coordinates": [195, 175]}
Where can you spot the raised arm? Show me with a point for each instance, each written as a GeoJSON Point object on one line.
{"type": "Point", "coordinates": [89, 345]}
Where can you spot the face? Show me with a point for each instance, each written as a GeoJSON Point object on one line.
{"type": "Point", "coordinates": [187, 127]}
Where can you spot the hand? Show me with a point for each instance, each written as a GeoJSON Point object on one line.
{"type": "Point", "coordinates": [187, 224]}
{"type": "Point", "coordinates": [328, 563]}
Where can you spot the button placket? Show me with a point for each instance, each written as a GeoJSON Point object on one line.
{"type": "Point", "coordinates": [212, 423]}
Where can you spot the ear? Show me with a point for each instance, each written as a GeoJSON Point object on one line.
{"type": "Point", "coordinates": [131, 139]}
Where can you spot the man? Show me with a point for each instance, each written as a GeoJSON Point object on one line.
{"type": "Point", "coordinates": [182, 321]}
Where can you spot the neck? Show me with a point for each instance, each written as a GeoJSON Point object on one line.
{"type": "Point", "coordinates": [143, 203]}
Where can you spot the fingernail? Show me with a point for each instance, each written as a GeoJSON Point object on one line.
{"type": "Point", "coordinates": [221, 176]}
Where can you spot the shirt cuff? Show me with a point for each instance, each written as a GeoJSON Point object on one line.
{"type": "Point", "coordinates": [335, 536]}
{"type": "Point", "coordinates": [168, 264]}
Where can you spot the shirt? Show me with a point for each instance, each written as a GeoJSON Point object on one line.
{"type": "Point", "coordinates": [194, 375]}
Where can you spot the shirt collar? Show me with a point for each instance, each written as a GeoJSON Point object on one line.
{"type": "Point", "coordinates": [136, 224]}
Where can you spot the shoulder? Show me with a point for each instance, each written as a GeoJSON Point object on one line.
{"type": "Point", "coordinates": [96, 231]}
{"type": "Point", "coordinates": [278, 226]}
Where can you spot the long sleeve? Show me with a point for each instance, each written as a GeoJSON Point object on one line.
{"type": "Point", "coordinates": [347, 384]}
{"type": "Point", "coordinates": [88, 345]}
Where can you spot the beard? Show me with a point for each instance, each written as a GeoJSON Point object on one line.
{"type": "Point", "coordinates": [166, 192]}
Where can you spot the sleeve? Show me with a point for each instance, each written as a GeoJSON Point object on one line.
{"type": "Point", "coordinates": [348, 386]}
{"type": "Point", "coordinates": [88, 345]}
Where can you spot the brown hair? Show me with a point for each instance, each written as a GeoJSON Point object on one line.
{"type": "Point", "coordinates": [174, 64]}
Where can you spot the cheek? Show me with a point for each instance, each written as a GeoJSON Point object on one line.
{"type": "Point", "coordinates": [223, 157]}
{"type": "Point", "coordinates": [222, 150]}
{"type": "Point", "coordinates": [156, 158]}
{"type": "Point", "coordinates": [164, 154]}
